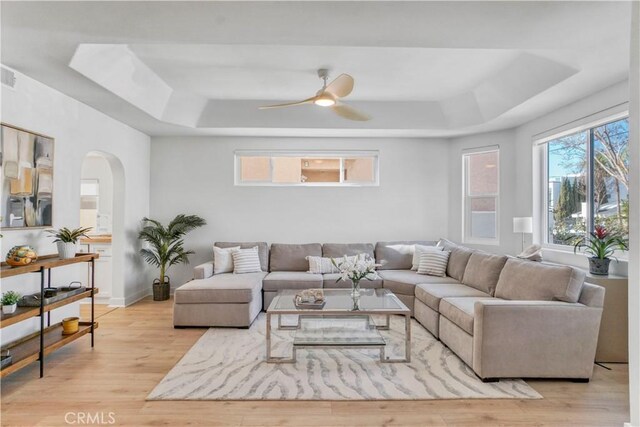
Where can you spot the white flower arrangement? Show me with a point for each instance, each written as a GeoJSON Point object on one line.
{"type": "Point", "coordinates": [356, 268]}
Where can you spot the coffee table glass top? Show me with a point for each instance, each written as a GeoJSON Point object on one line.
{"type": "Point", "coordinates": [340, 300]}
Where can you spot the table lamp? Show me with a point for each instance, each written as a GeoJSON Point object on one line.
{"type": "Point", "coordinates": [523, 225]}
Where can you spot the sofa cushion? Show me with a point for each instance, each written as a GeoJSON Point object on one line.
{"type": "Point", "coordinates": [289, 257]}
{"type": "Point", "coordinates": [458, 261]}
{"type": "Point", "coordinates": [222, 259]}
{"type": "Point", "coordinates": [291, 280]}
{"type": "Point", "coordinates": [528, 280]}
{"type": "Point", "coordinates": [263, 250]}
{"type": "Point", "coordinates": [432, 293]}
{"type": "Point", "coordinates": [221, 288]}
{"type": "Point", "coordinates": [338, 250]}
{"type": "Point", "coordinates": [483, 271]}
{"type": "Point", "coordinates": [397, 255]}
{"type": "Point", "coordinates": [404, 281]}
{"type": "Point", "coordinates": [459, 310]}
{"type": "Point", "coordinates": [330, 282]}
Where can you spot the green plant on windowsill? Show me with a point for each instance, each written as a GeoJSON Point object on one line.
{"type": "Point", "coordinates": [601, 245]}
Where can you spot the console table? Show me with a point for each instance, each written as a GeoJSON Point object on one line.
{"type": "Point", "coordinates": [47, 339]}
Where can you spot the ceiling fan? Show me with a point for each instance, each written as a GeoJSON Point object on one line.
{"type": "Point", "coordinates": [329, 96]}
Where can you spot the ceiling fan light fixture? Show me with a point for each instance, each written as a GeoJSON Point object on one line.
{"type": "Point", "coordinates": [324, 100]}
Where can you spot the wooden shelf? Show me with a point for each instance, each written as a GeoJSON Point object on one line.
{"type": "Point", "coordinates": [35, 346]}
{"type": "Point", "coordinates": [27, 349]}
{"type": "Point", "coordinates": [24, 313]}
{"type": "Point", "coordinates": [44, 262]}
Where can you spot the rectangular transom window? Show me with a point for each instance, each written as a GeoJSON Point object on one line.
{"type": "Point", "coordinates": [586, 182]}
{"type": "Point", "coordinates": [481, 180]}
{"type": "Point", "coordinates": [306, 168]}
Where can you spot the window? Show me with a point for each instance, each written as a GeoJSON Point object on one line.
{"type": "Point", "coordinates": [481, 178]}
{"type": "Point", "coordinates": [306, 168]}
{"type": "Point", "coordinates": [587, 179]}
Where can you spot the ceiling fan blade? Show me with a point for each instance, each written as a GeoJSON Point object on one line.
{"type": "Point", "coordinates": [341, 86]}
{"type": "Point", "coordinates": [350, 113]}
{"type": "Point", "coordinates": [288, 104]}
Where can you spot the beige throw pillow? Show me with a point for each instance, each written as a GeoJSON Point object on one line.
{"type": "Point", "coordinates": [223, 260]}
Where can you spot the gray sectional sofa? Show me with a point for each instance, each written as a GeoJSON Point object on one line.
{"type": "Point", "coordinates": [504, 317]}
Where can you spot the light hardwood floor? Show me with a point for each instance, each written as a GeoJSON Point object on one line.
{"type": "Point", "coordinates": [136, 346]}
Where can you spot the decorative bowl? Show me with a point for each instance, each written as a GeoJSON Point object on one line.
{"type": "Point", "coordinates": [21, 255]}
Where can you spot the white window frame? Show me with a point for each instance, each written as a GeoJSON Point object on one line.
{"type": "Point", "coordinates": [543, 195]}
{"type": "Point", "coordinates": [341, 155]}
{"type": "Point", "coordinates": [466, 198]}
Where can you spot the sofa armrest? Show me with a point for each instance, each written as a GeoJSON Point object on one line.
{"type": "Point", "coordinates": [534, 339]}
{"type": "Point", "coordinates": [203, 271]}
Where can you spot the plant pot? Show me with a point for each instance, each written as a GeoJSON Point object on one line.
{"type": "Point", "coordinates": [67, 250]}
{"type": "Point", "coordinates": [161, 290]}
{"type": "Point", "coordinates": [599, 266]}
{"type": "Point", "coordinates": [9, 309]}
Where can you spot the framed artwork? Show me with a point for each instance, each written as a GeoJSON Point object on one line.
{"type": "Point", "coordinates": [26, 178]}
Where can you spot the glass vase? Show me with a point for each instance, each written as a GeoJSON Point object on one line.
{"type": "Point", "coordinates": [355, 288]}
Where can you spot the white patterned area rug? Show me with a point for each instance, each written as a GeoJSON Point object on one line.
{"type": "Point", "coordinates": [229, 364]}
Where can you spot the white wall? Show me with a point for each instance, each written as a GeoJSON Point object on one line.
{"type": "Point", "coordinates": [509, 242]}
{"type": "Point", "coordinates": [195, 175]}
{"type": "Point", "coordinates": [634, 221]}
{"type": "Point", "coordinates": [78, 129]}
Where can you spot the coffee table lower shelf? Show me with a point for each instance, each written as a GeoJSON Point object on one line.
{"type": "Point", "coordinates": [371, 340]}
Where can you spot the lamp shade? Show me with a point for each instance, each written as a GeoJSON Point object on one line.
{"type": "Point", "coordinates": [523, 224]}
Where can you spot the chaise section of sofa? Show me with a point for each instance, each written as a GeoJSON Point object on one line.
{"type": "Point", "coordinates": [227, 299]}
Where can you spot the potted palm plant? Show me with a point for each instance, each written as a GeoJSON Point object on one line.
{"type": "Point", "coordinates": [67, 240]}
{"type": "Point", "coordinates": [601, 245]}
{"type": "Point", "coordinates": [165, 248]}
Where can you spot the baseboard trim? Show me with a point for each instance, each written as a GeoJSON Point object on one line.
{"type": "Point", "coordinates": [127, 301]}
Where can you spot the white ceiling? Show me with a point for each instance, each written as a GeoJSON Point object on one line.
{"type": "Point", "coordinates": [421, 68]}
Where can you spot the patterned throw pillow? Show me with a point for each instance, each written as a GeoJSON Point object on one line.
{"type": "Point", "coordinates": [434, 263]}
{"type": "Point", "coordinates": [418, 251]}
{"type": "Point", "coordinates": [246, 261]}
{"type": "Point", "coordinates": [321, 265]}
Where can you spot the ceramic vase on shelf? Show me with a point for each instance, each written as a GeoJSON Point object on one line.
{"type": "Point", "coordinates": [9, 309]}
{"type": "Point", "coordinates": [67, 250]}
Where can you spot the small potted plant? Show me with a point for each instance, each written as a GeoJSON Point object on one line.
{"type": "Point", "coordinates": [10, 302]}
{"type": "Point", "coordinates": [601, 245]}
{"type": "Point", "coordinates": [166, 248]}
{"type": "Point", "coordinates": [67, 240]}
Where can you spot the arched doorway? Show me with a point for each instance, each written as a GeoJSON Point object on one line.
{"type": "Point", "coordinates": [102, 208]}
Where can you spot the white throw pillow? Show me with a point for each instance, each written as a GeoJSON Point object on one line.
{"type": "Point", "coordinates": [321, 265]}
{"type": "Point", "coordinates": [418, 250]}
{"type": "Point", "coordinates": [434, 263]}
{"type": "Point", "coordinates": [222, 259]}
{"type": "Point", "coordinates": [246, 261]}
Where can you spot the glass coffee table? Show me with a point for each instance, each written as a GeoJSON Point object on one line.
{"type": "Point", "coordinates": [343, 322]}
